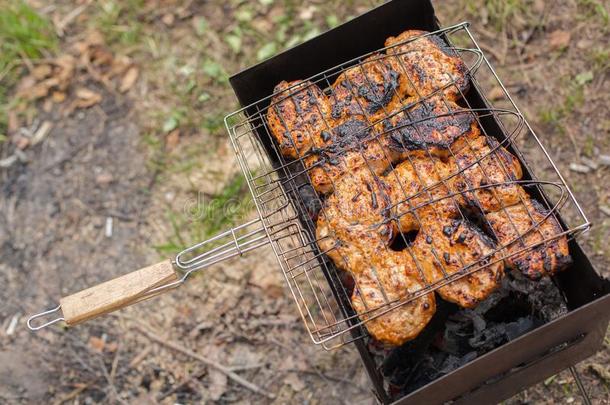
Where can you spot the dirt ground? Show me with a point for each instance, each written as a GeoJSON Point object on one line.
{"type": "Point", "coordinates": [99, 165]}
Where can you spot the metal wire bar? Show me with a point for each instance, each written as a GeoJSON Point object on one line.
{"type": "Point", "coordinates": [580, 385]}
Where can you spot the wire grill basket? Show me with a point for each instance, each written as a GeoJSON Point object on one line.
{"type": "Point", "coordinates": [287, 205]}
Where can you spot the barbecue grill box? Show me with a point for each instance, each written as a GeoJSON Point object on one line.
{"type": "Point", "coordinates": [526, 359]}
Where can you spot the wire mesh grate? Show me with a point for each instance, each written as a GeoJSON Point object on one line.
{"type": "Point", "coordinates": [288, 206]}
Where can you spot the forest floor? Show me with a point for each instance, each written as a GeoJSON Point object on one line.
{"type": "Point", "coordinates": [111, 128]}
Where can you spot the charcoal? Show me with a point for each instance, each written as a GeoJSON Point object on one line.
{"type": "Point", "coordinates": [496, 335]}
{"type": "Point", "coordinates": [456, 336]}
{"type": "Point", "coordinates": [453, 362]}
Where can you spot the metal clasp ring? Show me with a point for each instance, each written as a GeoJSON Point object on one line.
{"type": "Point", "coordinates": [44, 325]}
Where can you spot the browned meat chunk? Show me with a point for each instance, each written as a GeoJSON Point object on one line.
{"type": "Point", "coordinates": [444, 248]}
{"type": "Point", "coordinates": [367, 91]}
{"type": "Point", "coordinates": [387, 282]}
{"type": "Point", "coordinates": [417, 192]}
{"type": "Point", "coordinates": [431, 125]}
{"type": "Point", "coordinates": [353, 145]}
{"type": "Point", "coordinates": [527, 226]}
{"type": "Point", "coordinates": [487, 168]}
{"type": "Point", "coordinates": [356, 214]}
{"type": "Point", "coordinates": [297, 117]}
{"type": "Point", "coordinates": [430, 65]}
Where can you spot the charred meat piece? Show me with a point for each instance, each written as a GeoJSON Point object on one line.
{"type": "Point", "coordinates": [431, 125]}
{"type": "Point", "coordinates": [416, 186]}
{"type": "Point", "coordinates": [527, 225]}
{"type": "Point", "coordinates": [429, 64]}
{"type": "Point", "coordinates": [368, 91]}
{"type": "Point", "coordinates": [487, 168]}
{"type": "Point", "coordinates": [297, 117]}
{"type": "Point", "coordinates": [354, 221]}
{"type": "Point", "coordinates": [352, 145]}
{"type": "Point", "coordinates": [443, 248]}
{"type": "Point", "coordinates": [383, 282]}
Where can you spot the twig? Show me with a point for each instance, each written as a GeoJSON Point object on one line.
{"type": "Point", "coordinates": [72, 394]}
{"type": "Point", "coordinates": [193, 376]}
{"type": "Point", "coordinates": [115, 363]}
{"type": "Point", "coordinates": [115, 393]}
{"type": "Point", "coordinates": [140, 356]}
{"type": "Point", "coordinates": [246, 367]}
{"type": "Point", "coordinates": [26, 61]}
{"type": "Point", "coordinates": [327, 377]}
{"type": "Point", "coordinates": [223, 369]}
{"type": "Point", "coordinates": [67, 20]}
{"type": "Point", "coordinates": [491, 50]}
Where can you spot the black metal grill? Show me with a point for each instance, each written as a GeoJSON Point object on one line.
{"type": "Point", "coordinates": [285, 203]}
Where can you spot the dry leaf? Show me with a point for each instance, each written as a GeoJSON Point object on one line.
{"type": "Point", "coordinates": [168, 19]}
{"type": "Point", "coordinates": [65, 70]}
{"type": "Point", "coordinates": [104, 178]}
{"type": "Point", "coordinates": [496, 93]}
{"type": "Point", "coordinates": [120, 65]}
{"type": "Point", "coordinates": [112, 347]}
{"type": "Point", "coordinates": [293, 380]}
{"type": "Point", "coordinates": [42, 71]}
{"type": "Point", "coordinates": [47, 105]}
{"type": "Point", "coordinates": [218, 384]}
{"type": "Point", "coordinates": [307, 13]}
{"type": "Point", "coordinates": [86, 97]}
{"type": "Point", "coordinates": [42, 132]}
{"type": "Point", "coordinates": [58, 96]}
{"type": "Point", "coordinates": [94, 38]}
{"type": "Point", "coordinates": [172, 139]}
{"type": "Point", "coordinates": [96, 343]}
{"type": "Point", "coordinates": [559, 39]}
{"type": "Point", "coordinates": [129, 79]}
{"type": "Point", "coordinates": [13, 121]}
{"type": "Point", "coordinates": [25, 84]}
{"type": "Point", "coordinates": [100, 55]}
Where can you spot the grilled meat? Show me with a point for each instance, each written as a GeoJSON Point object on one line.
{"type": "Point", "coordinates": [353, 144]}
{"type": "Point", "coordinates": [482, 163]}
{"type": "Point", "coordinates": [527, 225]}
{"type": "Point", "coordinates": [446, 247]}
{"type": "Point", "coordinates": [355, 218]}
{"type": "Point", "coordinates": [429, 64]}
{"type": "Point", "coordinates": [297, 117]}
{"type": "Point", "coordinates": [431, 125]}
{"type": "Point", "coordinates": [391, 277]}
{"type": "Point", "coordinates": [368, 91]}
{"type": "Point", "coordinates": [401, 109]}
{"type": "Point", "coordinates": [417, 192]}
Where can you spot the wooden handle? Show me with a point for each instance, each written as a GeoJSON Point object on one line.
{"type": "Point", "coordinates": [115, 294]}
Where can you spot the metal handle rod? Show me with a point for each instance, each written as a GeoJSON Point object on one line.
{"type": "Point", "coordinates": [580, 385]}
{"type": "Point", "coordinates": [236, 247]}
{"type": "Point", "coordinates": [191, 259]}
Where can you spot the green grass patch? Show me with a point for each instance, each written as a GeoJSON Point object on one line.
{"type": "Point", "coordinates": [203, 217]}
{"type": "Point", "coordinates": [23, 34]}
{"type": "Point", "coordinates": [588, 9]}
{"type": "Point", "coordinates": [575, 97]}
{"type": "Point", "coordinates": [120, 21]}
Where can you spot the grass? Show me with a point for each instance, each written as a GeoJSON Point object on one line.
{"type": "Point", "coordinates": [23, 34]}
{"type": "Point", "coordinates": [204, 217]}
{"type": "Point", "coordinates": [574, 99]}
{"type": "Point", "coordinates": [500, 13]}
{"type": "Point", "coordinates": [594, 9]}
{"type": "Point", "coordinates": [119, 21]}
